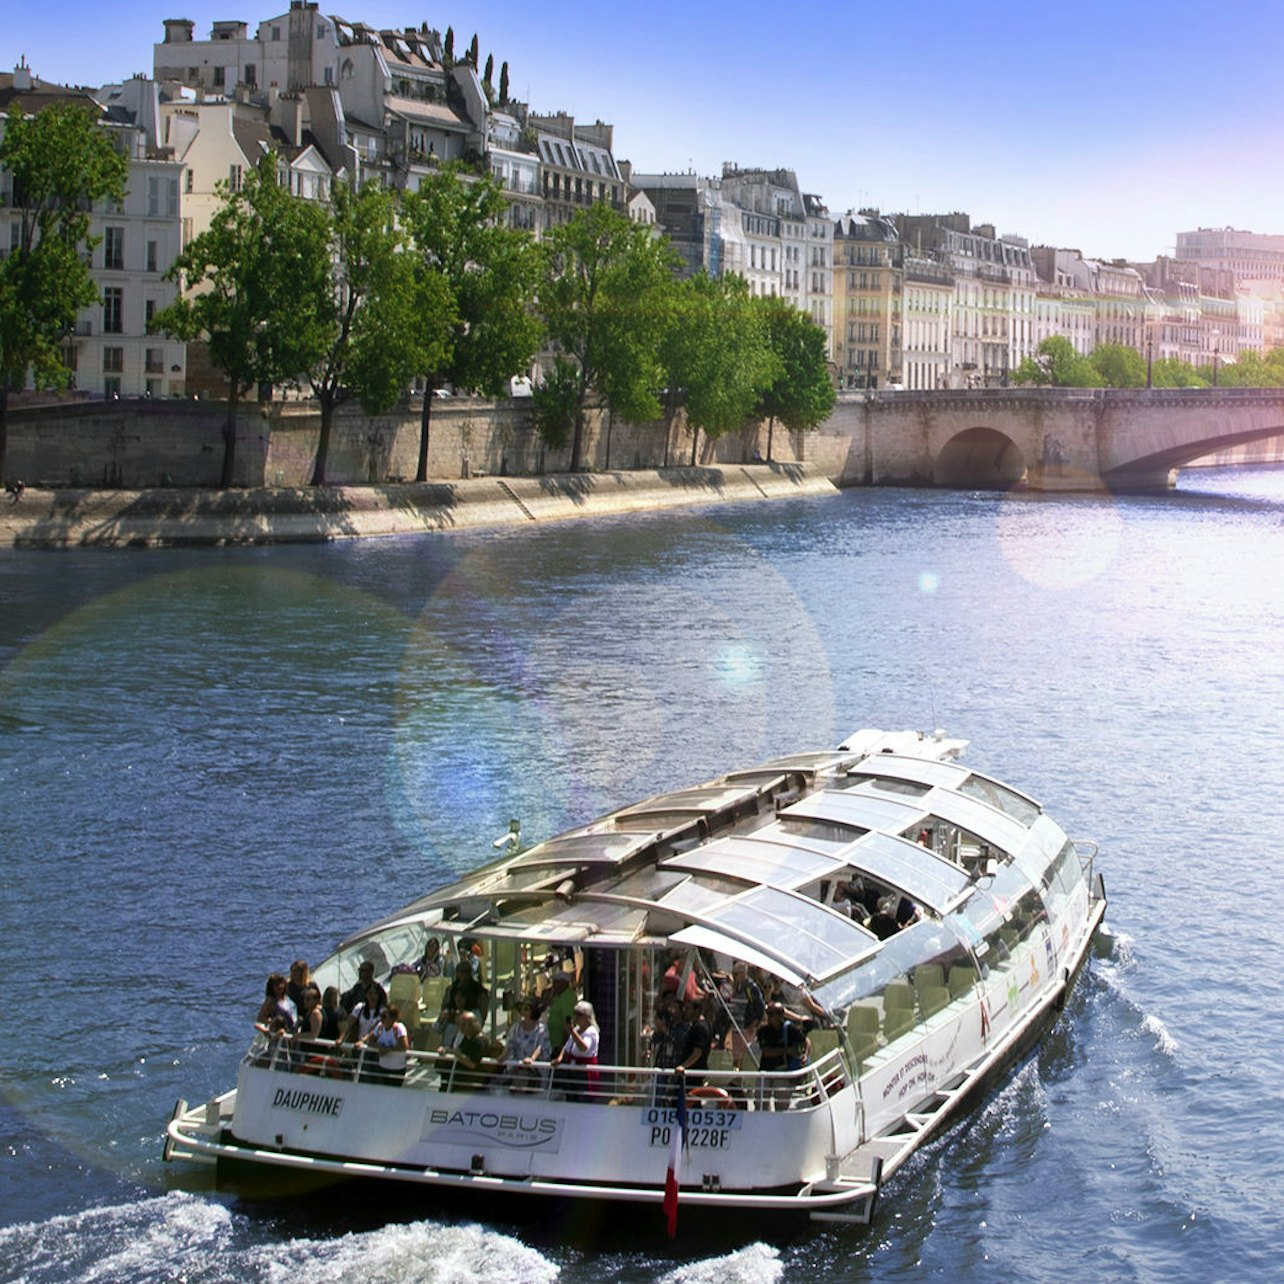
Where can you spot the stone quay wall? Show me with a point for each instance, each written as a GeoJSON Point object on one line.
{"type": "Point", "coordinates": [135, 444]}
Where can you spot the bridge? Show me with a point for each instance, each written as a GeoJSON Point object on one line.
{"type": "Point", "coordinates": [1054, 439]}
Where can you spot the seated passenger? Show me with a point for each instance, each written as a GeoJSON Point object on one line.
{"type": "Point", "coordinates": [466, 994]}
{"type": "Point", "coordinates": [432, 963]}
{"type": "Point", "coordinates": [276, 1003]}
{"type": "Point", "coordinates": [392, 1041]}
{"type": "Point", "coordinates": [527, 1046]}
{"type": "Point", "coordinates": [468, 1054]}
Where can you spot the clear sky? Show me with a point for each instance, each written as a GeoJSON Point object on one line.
{"type": "Point", "coordinates": [1107, 126]}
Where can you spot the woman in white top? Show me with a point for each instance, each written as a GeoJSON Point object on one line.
{"type": "Point", "coordinates": [580, 1051]}
{"type": "Point", "coordinates": [389, 1036]}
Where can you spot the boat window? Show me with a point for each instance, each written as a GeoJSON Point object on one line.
{"type": "Point", "coordinates": [888, 785]}
{"type": "Point", "coordinates": [700, 894]}
{"type": "Point", "coordinates": [1018, 806]}
{"type": "Point", "coordinates": [859, 811]}
{"type": "Point", "coordinates": [918, 872]}
{"type": "Point", "coordinates": [605, 848]}
{"type": "Point", "coordinates": [817, 939]}
{"type": "Point", "coordinates": [929, 943]}
{"type": "Point", "coordinates": [947, 775]}
{"type": "Point", "coordinates": [824, 831]}
{"type": "Point", "coordinates": [988, 823]}
{"type": "Point", "coordinates": [1062, 877]}
{"type": "Point", "coordinates": [759, 860]}
{"type": "Point", "coordinates": [1003, 911]}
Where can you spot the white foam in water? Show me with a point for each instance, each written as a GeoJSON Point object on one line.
{"type": "Point", "coordinates": [1164, 1042]}
{"type": "Point", "coordinates": [757, 1264]}
{"type": "Point", "coordinates": [418, 1253]}
{"type": "Point", "coordinates": [160, 1238]}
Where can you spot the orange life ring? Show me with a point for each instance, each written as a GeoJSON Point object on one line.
{"type": "Point", "coordinates": [709, 1098]}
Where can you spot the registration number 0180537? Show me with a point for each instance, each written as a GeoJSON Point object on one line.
{"type": "Point", "coordinates": [706, 1129]}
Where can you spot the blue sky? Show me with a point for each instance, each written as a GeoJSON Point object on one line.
{"type": "Point", "coordinates": [1105, 126]}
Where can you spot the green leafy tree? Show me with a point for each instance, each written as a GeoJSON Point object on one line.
{"type": "Point", "coordinates": [1057, 364]}
{"type": "Point", "coordinates": [251, 278]}
{"type": "Point", "coordinates": [555, 400]}
{"type": "Point", "coordinates": [800, 393]}
{"type": "Point", "coordinates": [1119, 365]}
{"type": "Point", "coordinates": [60, 163]}
{"type": "Point", "coordinates": [473, 51]}
{"type": "Point", "coordinates": [488, 76]}
{"type": "Point", "coordinates": [503, 82]}
{"type": "Point", "coordinates": [489, 273]}
{"type": "Point", "coordinates": [602, 293]}
{"type": "Point", "coordinates": [716, 355]}
{"type": "Point", "coordinates": [1172, 372]}
{"type": "Point", "coordinates": [381, 319]}
{"type": "Point", "coordinates": [448, 49]}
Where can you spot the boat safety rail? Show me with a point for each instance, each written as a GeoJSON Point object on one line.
{"type": "Point", "coordinates": [1086, 849]}
{"type": "Point", "coordinates": [724, 1089]}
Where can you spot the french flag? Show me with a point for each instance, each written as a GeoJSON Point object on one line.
{"type": "Point", "coordinates": [676, 1147]}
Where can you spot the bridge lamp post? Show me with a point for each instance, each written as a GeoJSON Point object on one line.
{"type": "Point", "coordinates": [1217, 353]}
{"type": "Point", "coordinates": [1150, 358]}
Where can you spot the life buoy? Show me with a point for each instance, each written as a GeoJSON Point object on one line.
{"type": "Point", "coordinates": [709, 1098]}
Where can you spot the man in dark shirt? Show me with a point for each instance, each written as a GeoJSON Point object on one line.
{"type": "Point", "coordinates": [350, 998]}
{"type": "Point", "coordinates": [782, 1046]}
{"type": "Point", "coordinates": [695, 1047]}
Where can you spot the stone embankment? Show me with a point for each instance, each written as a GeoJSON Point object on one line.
{"type": "Point", "coordinates": [172, 518]}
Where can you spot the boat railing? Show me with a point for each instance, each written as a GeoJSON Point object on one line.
{"type": "Point", "coordinates": [749, 1088]}
{"type": "Point", "coordinates": [1086, 849]}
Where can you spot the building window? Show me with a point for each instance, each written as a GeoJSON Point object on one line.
{"type": "Point", "coordinates": [113, 360]}
{"type": "Point", "coordinates": [190, 180]}
{"type": "Point", "coordinates": [250, 74]}
{"type": "Point", "coordinates": [114, 249]}
{"type": "Point", "coordinates": [111, 386]}
{"type": "Point", "coordinates": [234, 178]}
{"type": "Point", "coordinates": [154, 362]}
{"type": "Point", "coordinates": [113, 310]}
{"type": "Point", "coordinates": [149, 313]}
{"type": "Point", "coordinates": [151, 256]}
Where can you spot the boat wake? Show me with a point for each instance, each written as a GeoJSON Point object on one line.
{"type": "Point", "coordinates": [179, 1236]}
{"type": "Point", "coordinates": [756, 1264]}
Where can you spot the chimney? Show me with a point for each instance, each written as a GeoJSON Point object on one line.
{"type": "Point", "coordinates": [22, 76]}
{"type": "Point", "coordinates": [178, 31]}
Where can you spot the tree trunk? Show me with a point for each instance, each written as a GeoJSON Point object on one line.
{"type": "Point", "coordinates": [323, 442]}
{"type": "Point", "coordinates": [610, 424]}
{"type": "Point", "coordinates": [4, 430]}
{"type": "Point", "coordinates": [425, 418]}
{"type": "Point", "coordinates": [695, 441]}
{"type": "Point", "coordinates": [577, 433]}
{"type": "Point", "coordinates": [229, 436]}
{"type": "Point", "coordinates": [771, 428]}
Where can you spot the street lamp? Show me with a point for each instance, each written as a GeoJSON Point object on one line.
{"type": "Point", "coordinates": [1150, 357]}
{"type": "Point", "coordinates": [1217, 353]}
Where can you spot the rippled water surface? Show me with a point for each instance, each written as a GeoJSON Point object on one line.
{"type": "Point", "coordinates": [212, 762]}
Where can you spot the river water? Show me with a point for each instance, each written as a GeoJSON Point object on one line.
{"type": "Point", "coordinates": [215, 761]}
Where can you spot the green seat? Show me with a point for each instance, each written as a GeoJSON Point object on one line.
{"type": "Point", "coordinates": [928, 974]}
{"type": "Point", "coordinates": [962, 979]}
{"type": "Point", "coordinates": [896, 1021]}
{"type": "Point", "coordinates": [899, 994]}
{"type": "Point", "coordinates": [933, 999]}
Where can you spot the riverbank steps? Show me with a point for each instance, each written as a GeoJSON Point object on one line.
{"type": "Point", "coordinates": [167, 518]}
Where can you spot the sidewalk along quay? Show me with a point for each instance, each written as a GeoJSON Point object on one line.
{"type": "Point", "coordinates": [161, 518]}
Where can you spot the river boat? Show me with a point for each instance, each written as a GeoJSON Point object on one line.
{"type": "Point", "coordinates": [921, 922]}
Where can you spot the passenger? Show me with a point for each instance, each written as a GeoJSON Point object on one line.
{"type": "Point", "coordinates": [883, 923]}
{"type": "Point", "coordinates": [310, 1022]}
{"type": "Point", "coordinates": [580, 1052]}
{"type": "Point", "coordinates": [848, 899]}
{"type": "Point", "coordinates": [393, 1043]}
{"type": "Point", "coordinates": [673, 980]}
{"type": "Point", "coordinates": [276, 1003]}
{"type": "Point", "coordinates": [298, 983]}
{"type": "Point", "coordinates": [695, 1045]}
{"type": "Point", "coordinates": [800, 1007]}
{"type": "Point", "coordinates": [432, 963]}
{"type": "Point", "coordinates": [367, 1014]}
{"type": "Point", "coordinates": [560, 1008]}
{"type": "Point", "coordinates": [907, 913]}
{"type": "Point", "coordinates": [277, 1052]}
{"type": "Point", "coordinates": [466, 994]}
{"type": "Point", "coordinates": [747, 1008]}
{"type": "Point", "coordinates": [331, 1017]}
{"type": "Point", "coordinates": [782, 1046]}
{"type": "Point", "coordinates": [467, 1054]}
{"type": "Point", "coordinates": [527, 1046]}
{"type": "Point", "coordinates": [365, 978]}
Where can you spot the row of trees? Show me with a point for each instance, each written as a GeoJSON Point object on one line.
{"type": "Point", "coordinates": [1113, 365]}
{"type": "Point", "coordinates": [362, 295]}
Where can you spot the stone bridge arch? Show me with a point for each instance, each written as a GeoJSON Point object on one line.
{"type": "Point", "coordinates": [980, 458]}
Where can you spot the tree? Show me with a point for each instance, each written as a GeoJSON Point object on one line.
{"type": "Point", "coordinates": [473, 51]}
{"type": "Point", "coordinates": [1058, 365]}
{"type": "Point", "coordinates": [60, 163]}
{"type": "Point", "coordinates": [251, 278]}
{"type": "Point", "coordinates": [1118, 365]}
{"type": "Point", "coordinates": [601, 298]}
{"type": "Point", "coordinates": [1172, 372]}
{"type": "Point", "coordinates": [715, 355]}
{"type": "Point", "coordinates": [448, 49]}
{"type": "Point", "coordinates": [503, 82]}
{"type": "Point", "coordinates": [489, 273]}
{"type": "Point", "coordinates": [381, 320]}
{"type": "Point", "coordinates": [489, 73]}
{"type": "Point", "coordinates": [800, 392]}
